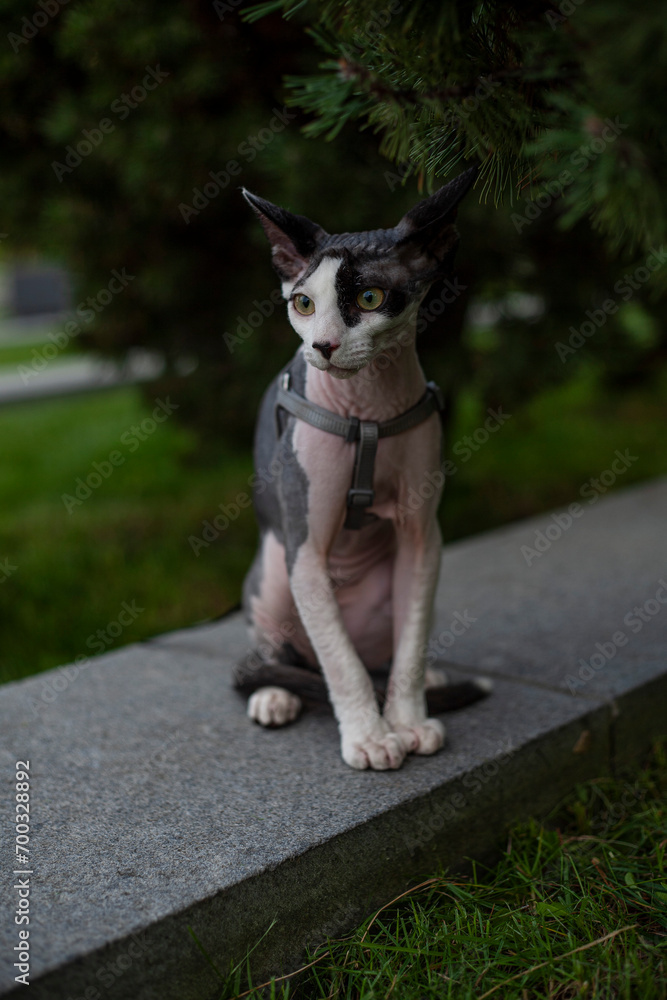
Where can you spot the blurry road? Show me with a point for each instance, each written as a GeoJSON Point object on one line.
{"type": "Point", "coordinates": [20, 383]}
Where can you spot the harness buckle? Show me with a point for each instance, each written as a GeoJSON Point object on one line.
{"type": "Point", "coordinates": [438, 393]}
{"type": "Point", "coordinates": [353, 429]}
{"type": "Point", "coordinates": [285, 381]}
{"type": "Point", "coordinates": [360, 498]}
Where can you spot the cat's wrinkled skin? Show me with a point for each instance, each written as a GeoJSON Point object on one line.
{"type": "Point", "coordinates": [352, 600]}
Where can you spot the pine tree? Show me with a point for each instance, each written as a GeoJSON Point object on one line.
{"type": "Point", "coordinates": [562, 106]}
{"type": "Point", "coordinates": [564, 100]}
{"type": "Point", "coordinates": [526, 90]}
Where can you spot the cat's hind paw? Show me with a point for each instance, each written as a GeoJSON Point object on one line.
{"type": "Point", "coordinates": [273, 706]}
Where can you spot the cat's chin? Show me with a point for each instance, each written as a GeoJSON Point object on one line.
{"type": "Point", "coordinates": [337, 372]}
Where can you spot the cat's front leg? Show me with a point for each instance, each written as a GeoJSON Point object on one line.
{"type": "Point", "coordinates": [319, 467]}
{"type": "Point", "coordinates": [367, 739]}
{"type": "Point", "coordinates": [415, 579]}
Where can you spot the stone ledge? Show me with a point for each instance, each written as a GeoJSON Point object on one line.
{"type": "Point", "coordinates": [157, 807]}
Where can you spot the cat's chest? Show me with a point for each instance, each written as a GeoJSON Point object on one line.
{"type": "Point", "coordinates": [404, 465]}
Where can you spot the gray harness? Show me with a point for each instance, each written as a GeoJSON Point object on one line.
{"type": "Point", "coordinates": [365, 433]}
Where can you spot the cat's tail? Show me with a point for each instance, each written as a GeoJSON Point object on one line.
{"type": "Point", "coordinates": [308, 683]}
{"type": "Point", "coordinates": [450, 697]}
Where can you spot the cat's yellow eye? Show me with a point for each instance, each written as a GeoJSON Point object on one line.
{"type": "Point", "coordinates": [370, 298]}
{"type": "Point", "coordinates": [304, 305]}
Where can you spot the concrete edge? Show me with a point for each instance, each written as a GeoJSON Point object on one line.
{"type": "Point", "coordinates": [367, 866]}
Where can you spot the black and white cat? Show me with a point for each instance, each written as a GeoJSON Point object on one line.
{"type": "Point", "coordinates": [345, 575]}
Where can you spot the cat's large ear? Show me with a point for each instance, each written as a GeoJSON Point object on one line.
{"type": "Point", "coordinates": [293, 238]}
{"type": "Point", "coordinates": [426, 235]}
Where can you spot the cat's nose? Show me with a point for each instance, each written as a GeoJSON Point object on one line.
{"type": "Point", "coordinates": [326, 348]}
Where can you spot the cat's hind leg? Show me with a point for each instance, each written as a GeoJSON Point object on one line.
{"type": "Point", "coordinates": [269, 703]}
{"type": "Point", "coordinates": [266, 676]}
{"type": "Point", "coordinates": [277, 687]}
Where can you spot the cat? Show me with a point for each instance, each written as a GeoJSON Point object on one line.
{"type": "Point", "coordinates": [344, 578]}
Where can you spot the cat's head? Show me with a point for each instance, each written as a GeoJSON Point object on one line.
{"type": "Point", "coordinates": [350, 296]}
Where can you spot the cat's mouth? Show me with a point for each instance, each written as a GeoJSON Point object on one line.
{"type": "Point", "coordinates": [338, 372]}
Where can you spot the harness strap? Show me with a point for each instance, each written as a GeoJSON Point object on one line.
{"type": "Point", "coordinates": [362, 494]}
{"type": "Point", "coordinates": [365, 433]}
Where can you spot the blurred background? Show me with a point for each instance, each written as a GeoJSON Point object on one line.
{"type": "Point", "coordinates": [138, 316]}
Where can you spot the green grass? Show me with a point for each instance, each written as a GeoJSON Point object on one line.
{"type": "Point", "coordinates": [16, 347]}
{"type": "Point", "coordinates": [129, 540]}
{"type": "Point", "coordinates": [542, 456]}
{"type": "Point", "coordinates": [18, 354]}
{"type": "Point", "coordinates": [576, 907]}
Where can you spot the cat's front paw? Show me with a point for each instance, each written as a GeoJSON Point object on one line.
{"type": "Point", "coordinates": [427, 737]}
{"type": "Point", "coordinates": [421, 736]}
{"type": "Point", "coordinates": [378, 748]}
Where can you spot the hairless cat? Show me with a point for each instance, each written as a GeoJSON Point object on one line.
{"type": "Point", "coordinates": [340, 594]}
